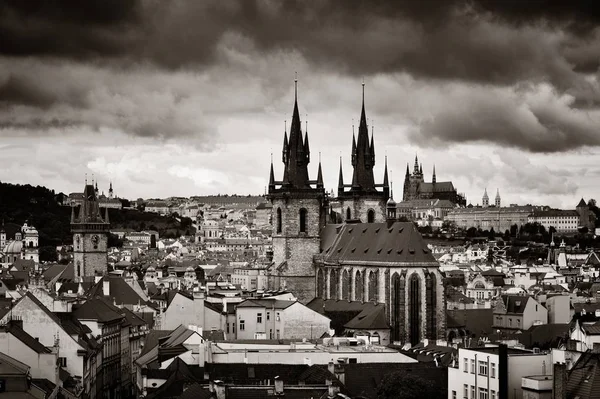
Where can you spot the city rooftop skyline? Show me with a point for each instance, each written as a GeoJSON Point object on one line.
{"type": "Point", "coordinates": [190, 98]}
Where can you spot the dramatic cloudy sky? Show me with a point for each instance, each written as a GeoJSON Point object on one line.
{"type": "Point", "coordinates": [190, 97]}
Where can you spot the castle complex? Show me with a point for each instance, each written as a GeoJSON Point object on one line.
{"type": "Point", "coordinates": [415, 187]}
{"type": "Point", "coordinates": [370, 257]}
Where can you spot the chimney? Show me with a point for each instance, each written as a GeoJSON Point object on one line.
{"type": "Point", "coordinates": [219, 387]}
{"type": "Point", "coordinates": [340, 373]}
{"type": "Point", "coordinates": [332, 391]}
{"type": "Point", "coordinates": [559, 390]}
{"type": "Point", "coordinates": [331, 367]}
{"type": "Point", "coordinates": [106, 286]}
{"type": "Point", "coordinates": [278, 386]}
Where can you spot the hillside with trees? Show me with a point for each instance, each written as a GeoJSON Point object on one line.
{"type": "Point", "coordinates": [41, 207]}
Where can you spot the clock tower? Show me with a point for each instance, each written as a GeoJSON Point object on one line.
{"type": "Point", "coordinates": [90, 231]}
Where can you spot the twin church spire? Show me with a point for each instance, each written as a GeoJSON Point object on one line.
{"type": "Point", "coordinates": [295, 156]}
{"type": "Point", "coordinates": [363, 160]}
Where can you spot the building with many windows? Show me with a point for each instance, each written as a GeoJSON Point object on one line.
{"type": "Point", "coordinates": [483, 373]}
{"type": "Point", "coordinates": [486, 218]}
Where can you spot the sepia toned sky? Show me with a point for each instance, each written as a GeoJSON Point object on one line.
{"type": "Point", "coordinates": [190, 97]}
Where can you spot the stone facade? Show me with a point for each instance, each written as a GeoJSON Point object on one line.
{"type": "Point", "coordinates": [364, 208]}
{"type": "Point", "coordinates": [90, 239]}
{"type": "Point", "coordinates": [385, 263]}
{"type": "Point", "coordinates": [391, 286]}
{"type": "Point", "coordinates": [293, 249]}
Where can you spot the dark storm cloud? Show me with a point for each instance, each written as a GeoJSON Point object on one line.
{"type": "Point", "coordinates": [440, 39]}
{"type": "Point", "coordinates": [477, 43]}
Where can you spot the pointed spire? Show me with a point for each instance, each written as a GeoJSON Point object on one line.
{"type": "Point", "coordinates": [296, 157]}
{"type": "Point", "coordinates": [353, 147]}
{"type": "Point", "coordinates": [416, 168]}
{"type": "Point", "coordinates": [306, 146]}
{"type": "Point", "coordinates": [433, 179]}
{"type": "Point", "coordinates": [421, 169]}
{"type": "Point", "coordinates": [341, 179]}
{"type": "Point", "coordinates": [271, 175]}
{"type": "Point", "coordinates": [320, 174]}
{"type": "Point", "coordinates": [372, 149]}
{"type": "Point", "coordinates": [407, 170]}
{"type": "Point", "coordinates": [385, 174]}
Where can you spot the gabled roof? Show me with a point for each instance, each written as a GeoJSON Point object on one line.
{"type": "Point", "coordinates": [265, 303]}
{"type": "Point", "coordinates": [15, 330]}
{"type": "Point", "coordinates": [369, 319]}
{"type": "Point", "coordinates": [442, 186]}
{"type": "Point", "coordinates": [375, 243]}
{"type": "Point", "coordinates": [120, 291]}
{"type": "Point", "coordinates": [10, 366]}
{"type": "Point", "coordinates": [584, 378]}
{"type": "Point", "coordinates": [98, 309]}
{"type": "Point", "coordinates": [515, 304]}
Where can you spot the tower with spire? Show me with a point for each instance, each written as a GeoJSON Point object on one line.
{"type": "Point", "coordinates": [485, 201]}
{"type": "Point", "coordinates": [110, 191]}
{"type": "Point", "coordinates": [497, 200]}
{"type": "Point", "coordinates": [90, 228]}
{"type": "Point", "coordinates": [363, 199]}
{"type": "Point", "coordinates": [299, 213]}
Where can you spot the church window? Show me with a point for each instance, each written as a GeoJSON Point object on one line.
{"type": "Point", "coordinates": [371, 216]}
{"type": "Point", "coordinates": [302, 220]}
{"type": "Point", "coordinates": [279, 220]}
{"type": "Point", "coordinates": [348, 213]}
{"type": "Point", "coordinates": [415, 309]}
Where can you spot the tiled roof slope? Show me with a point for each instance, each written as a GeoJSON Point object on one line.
{"type": "Point", "coordinates": [584, 377]}
{"type": "Point", "coordinates": [398, 244]}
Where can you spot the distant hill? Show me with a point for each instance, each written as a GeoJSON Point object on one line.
{"type": "Point", "coordinates": [40, 207]}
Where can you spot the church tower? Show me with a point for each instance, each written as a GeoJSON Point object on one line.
{"type": "Point", "coordinates": [485, 201]}
{"type": "Point", "coordinates": [363, 201]}
{"type": "Point", "coordinates": [89, 230]}
{"type": "Point", "coordinates": [497, 201]}
{"type": "Point", "coordinates": [299, 213]}
{"type": "Point", "coordinates": [110, 191]}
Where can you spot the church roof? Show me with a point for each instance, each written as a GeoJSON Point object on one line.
{"type": "Point", "coordinates": [399, 243]}
{"type": "Point", "coordinates": [581, 203]}
{"type": "Point", "coordinates": [438, 187]}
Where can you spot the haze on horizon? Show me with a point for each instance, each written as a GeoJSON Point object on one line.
{"type": "Point", "coordinates": [190, 98]}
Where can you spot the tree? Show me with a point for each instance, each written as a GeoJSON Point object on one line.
{"type": "Point", "coordinates": [48, 254]}
{"type": "Point", "coordinates": [514, 229]}
{"type": "Point", "coordinates": [471, 232]}
{"type": "Point", "coordinates": [592, 203]}
{"type": "Point", "coordinates": [403, 385]}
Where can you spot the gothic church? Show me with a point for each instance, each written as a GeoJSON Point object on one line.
{"type": "Point", "coordinates": [369, 257]}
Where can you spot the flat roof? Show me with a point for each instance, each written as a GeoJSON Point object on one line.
{"type": "Point", "coordinates": [496, 350]}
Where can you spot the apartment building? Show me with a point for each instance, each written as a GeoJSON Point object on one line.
{"type": "Point", "coordinates": [494, 372]}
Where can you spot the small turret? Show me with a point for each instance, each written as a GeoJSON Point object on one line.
{"type": "Point", "coordinates": [433, 179]}
{"type": "Point", "coordinates": [391, 207]}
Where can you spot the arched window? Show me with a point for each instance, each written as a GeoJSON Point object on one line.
{"type": "Point", "coordinates": [279, 220]}
{"type": "Point", "coordinates": [302, 220]}
{"type": "Point", "coordinates": [371, 216]}
{"type": "Point", "coordinates": [414, 298]}
{"type": "Point", "coordinates": [348, 213]}
{"type": "Point", "coordinates": [30, 244]}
